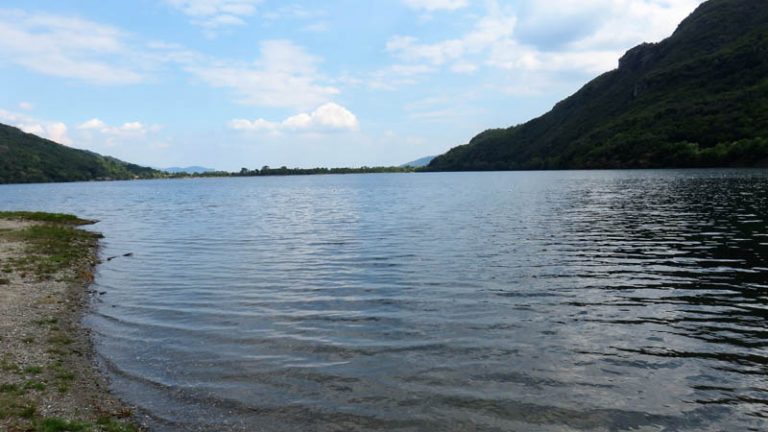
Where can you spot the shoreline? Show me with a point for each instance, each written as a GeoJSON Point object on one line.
{"type": "Point", "coordinates": [49, 378]}
{"type": "Point", "coordinates": [204, 176]}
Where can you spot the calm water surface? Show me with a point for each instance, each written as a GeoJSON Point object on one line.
{"type": "Point", "coordinates": [561, 301]}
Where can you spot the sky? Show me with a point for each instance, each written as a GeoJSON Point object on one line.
{"type": "Point", "coordinates": [245, 83]}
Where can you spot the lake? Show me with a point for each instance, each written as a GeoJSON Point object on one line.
{"type": "Point", "coordinates": [517, 301]}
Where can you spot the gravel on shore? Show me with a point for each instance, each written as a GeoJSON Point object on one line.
{"type": "Point", "coordinates": [48, 380]}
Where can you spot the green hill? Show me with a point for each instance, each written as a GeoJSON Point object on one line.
{"type": "Point", "coordinates": [697, 99]}
{"type": "Point", "coordinates": [27, 158]}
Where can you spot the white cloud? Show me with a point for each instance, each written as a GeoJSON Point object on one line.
{"type": "Point", "coordinates": [58, 132]}
{"type": "Point", "coordinates": [293, 11]}
{"type": "Point", "coordinates": [600, 32]}
{"type": "Point", "coordinates": [328, 117]}
{"type": "Point", "coordinates": [435, 5]}
{"type": "Point", "coordinates": [494, 27]}
{"type": "Point", "coordinates": [629, 22]}
{"type": "Point", "coordinates": [315, 20]}
{"type": "Point", "coordinates": [131, 141]}
{"type": "Point", "coordinates": [586, 36]}
{"type": "Point", "coordinates": [284, 76]}
{"type": "Point", "coordinates": [92, 124]}
{"type": "Point", "coordinates": [133, 126]}
{"type": "Point", "coordinates": [208, 8]}
{"type": "Point", "coordinates": [213, 15]}
{"type": "Point", "coordinates": [26, 106]}
{"type": "Point", "coordinates": [258, 125]}
{"type": "Point", "coordinates": [130, 136]}
{"type": "Point", "coordinates": [510, 55]}
{"type": "Point", "coordinates": [52, 130]}
{"type": "Point", "coordinates": [66, 47]}
{"type": "Point", "coordinates": [126, 129]}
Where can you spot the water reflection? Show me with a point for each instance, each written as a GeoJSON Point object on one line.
{"type": "Point", "coordinates": [630, 300]}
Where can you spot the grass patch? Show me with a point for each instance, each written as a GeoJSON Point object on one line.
{"type": "Point", "coordinates": [60, 339]}
{"type": "Point", "coordinates": [62, 378]}
{"type": "Point", "coordinates": [51, 248]}
{"type": "Point", "coordinates": [34, 385]}
{"type": "Point", "coordinates": [105, 424]}
{"type": "Point", "coordinates": [28, 411]}
{"type": "Point", "coordinates": [109, 424]}
{"type": "Point", "coordinates": [47, 321]}
{"type": "Point", "coordinates": [65, 376]}
{"type": "Point", "coordinates": [61, 425]}
{"type": "Point", "coordinates": [10, 388]}
{"type": "Point", "coordinates": [8, 366]}
{"type": "Point", "coordinates": [13, 405]}
{"type": "Point", "coordinates": [33, 370]}
{"type": "Point", "coordinates": [58, 218]}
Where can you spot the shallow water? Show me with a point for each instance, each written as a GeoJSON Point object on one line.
{"type": "Point", "coordinates": [540, 301]}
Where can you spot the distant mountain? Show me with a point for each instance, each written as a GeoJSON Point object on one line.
{"type": "Point", "coordinates": [27, 158]}
{"type": "Point", "coordinates": [418, 163]}
{"type": "Point", "coordinates": [189, 170]}
{"type": "Point", "coordinates": [696, 99]}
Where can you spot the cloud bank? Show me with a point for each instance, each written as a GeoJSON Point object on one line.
{"type": "Point", "coordinates": [436, 5]}
{"type": "Point", "coordinates": [285, 75]}
{"type": "Point", "coordinates": [66, 47]}
{"type": "Point", "coordinates": [213, 15]}
{"type": "Point", "coordinates": [328, 117]}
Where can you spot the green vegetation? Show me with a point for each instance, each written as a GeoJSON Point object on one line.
{"type": "Point", "coordinates": [59, 425]}
{"type": "Point", "coordinates": [696, 99]}
{"type": "Point", "coordinates": [27, 158]}
{"type": "Point", "coordinates": [59, 218]}
{"type": "Point", "coordinates": [53, 245]}
{"type": "Point", "coordinates": [285, 171]}
{"type": "Point", "coordinates": [103, 424]}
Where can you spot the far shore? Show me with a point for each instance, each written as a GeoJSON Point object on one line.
{"type": "Point", "coordinates": [301, 172]}
{"type": "Point", "coordinates": [49, 381]}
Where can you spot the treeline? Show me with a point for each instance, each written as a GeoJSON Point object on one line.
{"type": "Point", "coordinates": [27, 158]}
{"type": "Point", "coordinates": [285, 171]}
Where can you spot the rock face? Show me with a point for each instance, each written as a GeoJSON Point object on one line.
{"type": "Point", "coordinates": [697, 98]}
{"type": "Point", "coordinates": [638, 57]}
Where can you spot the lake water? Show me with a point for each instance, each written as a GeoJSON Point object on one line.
{"type": "Point", "coordinates": [533, 301]}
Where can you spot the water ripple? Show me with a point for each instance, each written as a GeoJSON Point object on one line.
{"type": "Point", "coordinates": [556, 301]}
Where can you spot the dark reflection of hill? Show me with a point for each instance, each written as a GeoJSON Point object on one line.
{"type": "Point", "coordinates": [698, 246]}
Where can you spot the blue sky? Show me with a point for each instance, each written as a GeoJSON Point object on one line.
{"type": "Point", "coordinates": [246, 83]}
